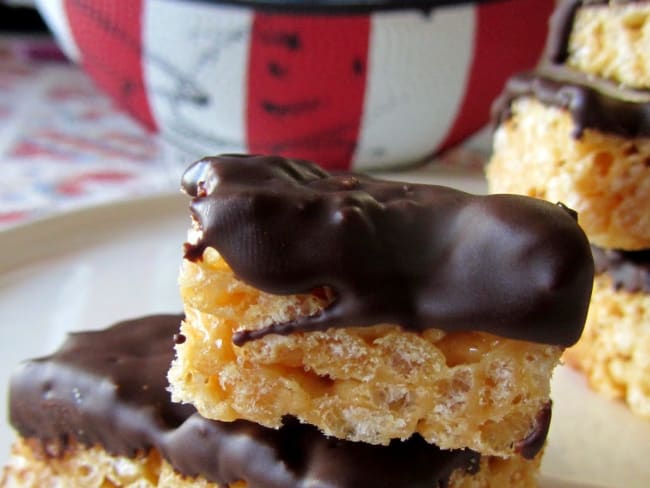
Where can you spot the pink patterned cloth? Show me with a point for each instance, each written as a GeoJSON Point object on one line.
{"type": "Point", "coordinates": [64, 145]}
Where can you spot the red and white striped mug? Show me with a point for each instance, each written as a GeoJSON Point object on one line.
{"type": "Point", "coordinates": [376, 84]}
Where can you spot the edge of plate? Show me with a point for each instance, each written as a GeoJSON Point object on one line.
{"type": "Point", "coordinates": [33, 240]}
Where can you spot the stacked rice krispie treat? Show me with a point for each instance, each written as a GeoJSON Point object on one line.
{"type": "Point", "coordinates": [339, 332]}
{"type": "Point", "coordinates": [97, 414]}
{"type": "Point", "coordinates": [378, 312]}
{"type": "Point", "coordinates": [577, 130]}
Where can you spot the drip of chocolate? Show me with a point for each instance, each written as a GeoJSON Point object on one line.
{"type": "Point", "coordinates": [592, 103]}
{"type": "Point", "coordinates": [561, 26]}
{"type": "Point", "coordinates": [109, 388]}
{"type": "Point", "coordinates": [533, 443]}
{"type": "Point", "coordinates": [629, 270]}
{"type": "Point", "coordinates": [415, 255]}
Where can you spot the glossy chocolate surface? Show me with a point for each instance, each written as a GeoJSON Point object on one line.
{"type": "Point", "coordinates": [415, 255]}
{"type": "Point", "coordinates": [534, 442]}
{"type": "Point", "coordinates": [109, 388]}
{"type": "Point", "coordinates": [629, 270]}
{"type": "Point", "coordinates": [594, 103]}
{"type": "Point", "coordinates": [561, 26]}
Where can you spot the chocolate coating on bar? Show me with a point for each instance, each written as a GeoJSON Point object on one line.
{"type": "Point", "coordinates": [109, 388]}
{"type": "Point", "coordinates": [559, 32]}
{"type": "Point", "coordinates": [533, 443]}
{"type": "Point", "coordinates": [593, 103]}
{"type": "Point", "coordinates": [106, 387]}
{"type": "Point", "coordinates": [561, 27]}
{"type": "Point", "coordinates": [419, 256]}
{"type": "Point", "coordinates": [629, 270]}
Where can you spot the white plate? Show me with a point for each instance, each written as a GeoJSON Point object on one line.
{"type": "Point", "coordinates": [91, 268]}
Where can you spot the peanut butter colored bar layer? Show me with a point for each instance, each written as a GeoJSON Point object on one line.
{"type": "Point", "coordinates": [562, 139]}
{"type": "Point", "coordinates": [609, 40]}
{"type": "Point", "coordinates": [30, 466]}
{"type": "Point", "coordinates": [613, 351]}
{"type": "Point", "coordinates": [375, 310]}
{"type": "Point", "coordinates": [97, 414]}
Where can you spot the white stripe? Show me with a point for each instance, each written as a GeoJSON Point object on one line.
{"type": "Point", "coordinates": [195, 69]}
{"type": "Point", "coordinates": [414, 85]}
{"type": "Point", "coordinates": [53, 12]}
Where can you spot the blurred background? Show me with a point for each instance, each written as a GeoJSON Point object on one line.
{"type": "Point", "coordinates": [156, 84]}
{"type": "Point", "coordinates": [63, 143]}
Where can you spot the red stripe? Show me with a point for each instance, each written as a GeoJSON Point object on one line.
{"type": "Point", "coordinates": [11, 217]}
{"type": "Point", "coordinates": [307, 77]}
{"type": "Point", "coordinates": [109, 36]}
{"type": "Point", "coordinates": [509, 38]}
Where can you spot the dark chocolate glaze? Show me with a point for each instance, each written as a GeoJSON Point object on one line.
{"type": "Point", "coordinates": [561, 26]}
{"type": "Point", "coordinates": [109, 388]}
{"type": "Point", "coordinates": [594, 103]}
{"type": "Point", "coordinates": [415, 255]}
{"type": "Point", "coordinates": [629, 270]}
{"type": "Point", "coordinates": [559, 32]}
{"type": "Point", "coordinates": [533, 443]}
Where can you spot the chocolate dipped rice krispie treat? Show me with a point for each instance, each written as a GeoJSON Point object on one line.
{"type": "Point", "coordinates": [578, 130]}
{"type": "Point", "coordinates": [605, 39]}
{"type": "Point", "coordinates": [614, 351]}
{"type": "Point", "coordinates": [97, 413]}
{"type": "Point", "coordinates": [375, 310]}
{"type": "Point", "coordinates": [342, 332]}
{"type": "Point", "coordinates": [562, 139]}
